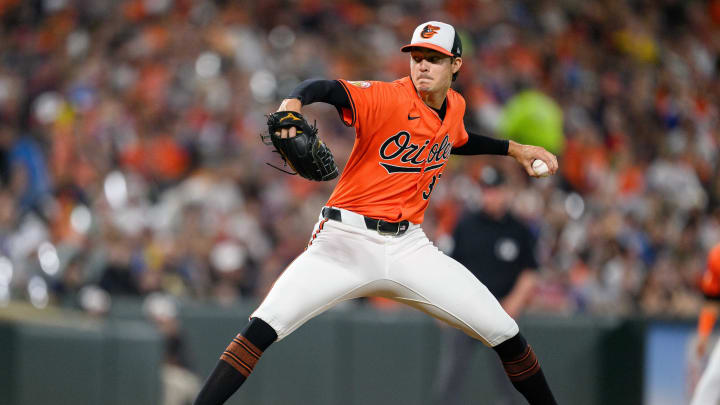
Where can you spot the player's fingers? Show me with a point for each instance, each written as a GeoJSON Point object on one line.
{"type": "Point", "coordinates": [292, 132]}
{"type": "Point", "coordinates": [550, 160]}
{"type": "Point", "coordinates": [555, 166]}
{"type": "Point", "coordinates": [551, 164]}
{"type": "Point", "coordinates": [527, 164]}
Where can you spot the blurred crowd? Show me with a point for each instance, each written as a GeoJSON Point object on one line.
{"type": "Point", "coordinates": [131, 162]}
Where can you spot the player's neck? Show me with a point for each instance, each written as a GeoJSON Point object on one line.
{"type": "Point", "coordinates": [434, 99]}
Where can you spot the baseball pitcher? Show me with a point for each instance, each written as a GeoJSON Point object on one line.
{"type": "Point", "coordinates": [368, 240]}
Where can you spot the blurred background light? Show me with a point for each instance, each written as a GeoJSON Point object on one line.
{"type": "Point", "coordinates": [77, 43]}
{"type": "Point", "coordinates": [38, 292]}
{"type": "Point", "coordinates": [281, 37]}
{"type": "Point", "coordinates": [81, 219]}
{"type": "Point", "coordinates": [6, 271]}
{"type": "Point", "coordinates": [94, 299]}
{"type": "Point", "coordinates": [4, 295]}
{"type": "Point", "coordinates": [207, 65]}
{"type": "Point", "coordinates": [49, 260]}
{"type": "Point", "coordinates": [227, 256]}
{"type": "Point", "coordinates": [574, 205]}
{"type": "Point", "coordinates": [54, 5]}
{"type": "Point", "coordinates": [116, 189]}
{"type": "Point", "coordinates": [157, 6]}
{"type": "Point", "coordinates": [47, 107]}
{"type": "Point", "coordinates": [158, 305]}
{"type": "Point", "coordinates": [123, 76]}
{"type": "Point", "coordinates": [263, 85]}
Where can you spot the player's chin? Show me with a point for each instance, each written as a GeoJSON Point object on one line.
{"type": "Point", "coordinates": [424, 87]}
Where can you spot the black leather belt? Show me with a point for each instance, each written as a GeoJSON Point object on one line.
{"type": "Point", "coordinates": [381, 226]}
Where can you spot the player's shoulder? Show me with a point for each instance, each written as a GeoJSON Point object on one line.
{"type": "Point", "coordinates": [404, 86]}
{"type": "Point", "coordinates": [375, 89]}
{"type": "Point", "coordinates": [367, 84]}
{"type": "Point", "coordinates": [360, 84]}
{"type": "Point", "coordinates": [454, 95]}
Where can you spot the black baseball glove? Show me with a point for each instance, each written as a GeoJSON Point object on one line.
{"type": "Point", "coordinates": [305, 152]}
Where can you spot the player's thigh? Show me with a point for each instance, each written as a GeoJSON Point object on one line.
{"type": "Point", "coordinates": [440, 286]}
{"type": "Point", "coordinates": [315, 281]}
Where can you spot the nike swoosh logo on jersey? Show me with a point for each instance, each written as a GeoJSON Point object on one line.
{"type": "Point", "coordinates": [412, 118]}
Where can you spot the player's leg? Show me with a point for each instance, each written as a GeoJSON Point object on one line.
{"type": "Point", "coordinates": [435, 283]}
{"type": "Point", "coordinates": [329, 271]}
{"type": "Point", "coordinates": [505, 392]}
{"type": "Point", "coordinates": [236, 363]}
{"type": "Point", "coordinates": [708, 388]}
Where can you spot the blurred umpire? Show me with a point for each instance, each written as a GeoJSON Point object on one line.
{"type": "Point", "coordinates": [500, 251]}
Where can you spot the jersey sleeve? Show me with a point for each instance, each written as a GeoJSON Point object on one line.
{"type": "Point", "coordinates": [463, 139]}
{"type": "Point", "coordinates": [318, 90]}
{"type": "Point", "coordinates": [461, 135]}
{"type": "Point", "coordinates": [370, 102]}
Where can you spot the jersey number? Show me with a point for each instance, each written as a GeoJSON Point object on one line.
{"type": "Point", "coordinates": [426, 194]}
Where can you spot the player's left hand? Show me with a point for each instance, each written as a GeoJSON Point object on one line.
{"type": "Point", "coordinates": [526, 154]}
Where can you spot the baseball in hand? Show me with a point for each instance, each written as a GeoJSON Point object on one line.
{"type": "Point", "coordinates": [540, 168]}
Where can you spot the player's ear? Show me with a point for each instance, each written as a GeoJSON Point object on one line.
{"type": "Point", "coordinates": [456, 63]}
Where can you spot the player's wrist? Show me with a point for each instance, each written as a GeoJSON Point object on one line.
{"type": "Point", "coordinates": [514, 148]}
{"type": "Point", "coordinates": [290, 104]}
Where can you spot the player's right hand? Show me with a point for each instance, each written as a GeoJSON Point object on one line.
{"type": "Point", "coordinates": [289, 104]}
{"type": "Point", "coordinates": [526, 154]}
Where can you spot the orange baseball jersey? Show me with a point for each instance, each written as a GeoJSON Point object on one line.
{"type": "Point", "coordinates": [401, 147]}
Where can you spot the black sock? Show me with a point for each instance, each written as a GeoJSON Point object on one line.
{"type": "Point", "coordinates": [523, 369]}
{"type": "Point", "coordinates": [236, 363]}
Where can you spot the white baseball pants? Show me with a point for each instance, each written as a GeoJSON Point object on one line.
{"type": "Point", "coordinates": [707, 391]}
{"type": "Point", "coordinates": [345, 260]}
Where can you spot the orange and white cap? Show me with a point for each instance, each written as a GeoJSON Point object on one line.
{"type": "Point", "coordinates": [437, 36]}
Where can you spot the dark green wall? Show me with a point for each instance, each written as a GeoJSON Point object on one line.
{"type": "Point", "coordinates": [349, 356]}
{"type": "Point", "coordinates": [75, 363]}
{"type": "Point", "coordinates": [361, 356]}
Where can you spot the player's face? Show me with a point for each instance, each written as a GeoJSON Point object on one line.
{"type": "Point", "coordinates": [432, 71]}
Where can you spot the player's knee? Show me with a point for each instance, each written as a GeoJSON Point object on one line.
{"type": "Point", "coordinates": [504, 332]}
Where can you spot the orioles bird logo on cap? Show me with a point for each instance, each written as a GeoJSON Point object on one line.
{"type": "Point", "coordinates": [429, 31]}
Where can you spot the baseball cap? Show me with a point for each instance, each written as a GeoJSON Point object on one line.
{"type": "Point", "coordinates": [437, 36]}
